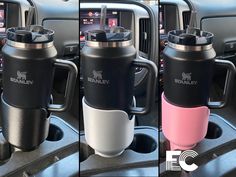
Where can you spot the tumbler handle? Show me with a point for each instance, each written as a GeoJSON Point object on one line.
{"type": "Point", "coordinates": [70, 85]}
{"type": "Point", "coordinates": [151, 85]}
{"type": "Point", "coordinates": [228, 84]}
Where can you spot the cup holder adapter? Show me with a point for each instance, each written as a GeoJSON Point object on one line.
{"type": "Point", "coordinates": [85, 151]}
{"type": "Point", "coordinates": [55, 133]}
{"type": "Point", "coordinates": [143, 143]}
{"type": "Point", "coordinates": [5, 150]}
{"type": "Point", "coordinates": [213, 131]}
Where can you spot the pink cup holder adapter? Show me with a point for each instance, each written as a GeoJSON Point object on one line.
{"type": "Point", "coordinates": [184, 127]}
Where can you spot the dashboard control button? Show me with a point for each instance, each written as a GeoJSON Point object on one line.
{"type": "Point", "coordinates": [230, 46]}
{"type": "Point", "coordinates": [71, 49]}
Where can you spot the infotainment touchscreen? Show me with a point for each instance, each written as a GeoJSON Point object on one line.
{"type": "Point", "coordinates": [2, 17]}
{"type": "Point", "coordinates": [90, 19]}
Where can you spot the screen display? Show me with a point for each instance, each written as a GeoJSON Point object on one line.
{"type": "Point", "coordinates": [2, 17]}
{"type": "Point", "coordinates": [161, 20]}
{"type": "Point", "coordinates": [90, 20]}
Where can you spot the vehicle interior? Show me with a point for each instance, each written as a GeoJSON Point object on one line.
{"type": "Point", "coordinates": [216, 17]}
{"type": "Point", "coordinates": [61, 146]}
{"type": "Point", "coordinates": [141, 19]}
{"type": "Point", "coordinates": [65, 145]}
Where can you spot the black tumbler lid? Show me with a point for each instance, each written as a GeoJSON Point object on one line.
{"type": "Point", "coordinates": [196, 38]}
{"type": "Point", "coordinates": [33, 34]}
{"type": "Point", "coordinates": [115, 34]}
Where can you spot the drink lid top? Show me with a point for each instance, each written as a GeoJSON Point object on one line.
{"type": "Point", "coordinates": [196, 38]}
{"type": "Point", "coordinates": [34, 34]}
{"type": "Point", "coordinates": [115, 34]}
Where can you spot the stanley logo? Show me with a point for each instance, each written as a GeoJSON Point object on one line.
{"type": "Point", "coordinates": [186, 79]}
{"type": "Point", "coordinates": [21, 78]}
{"type": "Point", "coordinates": [98, 78]}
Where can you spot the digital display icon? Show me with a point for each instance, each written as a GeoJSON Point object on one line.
{"type": "Point", "coordinates": [112, 22]}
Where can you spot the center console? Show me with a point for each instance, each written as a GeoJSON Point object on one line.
{"type": "Point", "coordinates": [61, 143]}
{"type": "Point", "coordinates": [139, 159]}
{"type": "Point", "coordinates": [216, 152]}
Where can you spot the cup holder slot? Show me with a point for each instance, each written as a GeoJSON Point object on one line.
{"type": "Point", "coordinates": [143, 143]}
{"type": "Point", "coordinates": [84, 152]}
{"type": "Point", "coordinates": [213, 131]}
{"type": "Point", "coordinates": [55, 133]}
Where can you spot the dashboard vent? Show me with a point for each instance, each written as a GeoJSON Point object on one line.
{"type": "Point", "coordinates": [26, 15]}
{"type": "Point", "coordinates": [144, 36]}
{"type": "Point", "coordinates": [186, 18]}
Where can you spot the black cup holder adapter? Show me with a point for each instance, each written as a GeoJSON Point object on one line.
{"type": "Point", "coordinates": [5, 150]}
{"type": "Point", "coordinates": [85, 152]}
{"type": "Point", "coordinates": [213, 131]}
{"type": "Point", "coordinates": [55, 133]}
{"type": "Point", "coordinates": [143, 143]}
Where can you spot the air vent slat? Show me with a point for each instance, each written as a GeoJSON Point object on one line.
{"type": "Point", "coordinates": [26, 15]}
{"type": "Point", "coordinates": [144, 36]}
{"type": "Point", "coordinates": [186, 18]}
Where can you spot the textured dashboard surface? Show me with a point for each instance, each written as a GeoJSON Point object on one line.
{"type": "Point", "coordinates": [62, 17]}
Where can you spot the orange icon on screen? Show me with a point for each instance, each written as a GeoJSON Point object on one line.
{"type": "Point", "coordinates": [90, 14]}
